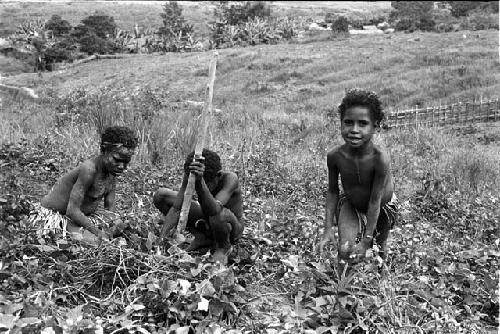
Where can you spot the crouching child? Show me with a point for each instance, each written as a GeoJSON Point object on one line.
{"type": "Point", "coordinates": [72, 205]}
{"type": "Point", "coordinates": [366, 210]}
{"type": "Point", "coordinates": [215, 219]}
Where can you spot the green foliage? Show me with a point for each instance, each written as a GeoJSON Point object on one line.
{"type": "Point", "coordinates": [248, 23]}
{"type": "Point", "coordinates": [60, 51]}
{"type": "Point", "coordinates": [340, 25]}
{"type": "Point", "coordinates": [58, 26]}
{"type": "Point", "coordinates": [235, 13]}
{"type": "Point", "coordinates": [463, 8]}
{"type": "Point", "coordinates": [480, 20]}
{"type": "Point", "coordinates": [412, 15]}
{"type": "Point", "coordinates": [176, 32]}
{"type": "Point", "coordinates": [102, 25]}
{"type": "Point", "coordinates": [255, 31]}
{"type": "Point", "coordinates": [95, 33]}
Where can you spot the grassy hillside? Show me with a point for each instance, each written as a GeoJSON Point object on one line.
{"type": "Point", "coordinates": [406, 69]}
{"type": "Point", "coordinates": [126, 13]}
{"type": "Point", "coordinates": [147, 13]}
{"type": "Point", "coordinates": [274, 129]}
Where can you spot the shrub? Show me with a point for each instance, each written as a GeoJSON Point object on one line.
{"type": "Point", "coordinates": [426, 24]}
{"type": "Point", "coordinates": [255, 31]}
{"type": "Point", "coordinates": [175, 31]}
{"type": "Point", "coordinates": [340, 25]}
{"type": "Point", "coordinates": [93, 44]}
{"type": "Point", "coordinates": [480, 20]}
{"type": "Point", "coordinates": [463, 8]}
{"type": "Point", "coordinates": [94, 34]}
{"type": "Point", "coordinates": [104, 26]}
{"type": "Point", "coordinates": [236, 13]}
{"type": "Point", "coordinates": [58, 26]}
{"type": "Point", "coordinates": [60, 51]}
{"type": "Point", "coordinates": [412, 15]}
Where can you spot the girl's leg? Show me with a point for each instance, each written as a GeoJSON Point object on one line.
{"type": "Point", "coordinates": [348, 225]}
{"type": "Point", "coordinates": [382, 233]}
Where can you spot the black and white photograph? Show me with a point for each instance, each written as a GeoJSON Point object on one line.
{"type": "Point", "coordinates": [241, 167]}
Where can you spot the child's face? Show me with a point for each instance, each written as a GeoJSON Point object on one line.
{"type": "Point", "coordinates": [116, 161]}
{"type": "Point", "coordinates": [357, 126]}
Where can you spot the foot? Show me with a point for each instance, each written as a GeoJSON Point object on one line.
{"type": "Point", "coordinates": [200, 241]}
{"type": "Point", "coordinates": [221, 254]}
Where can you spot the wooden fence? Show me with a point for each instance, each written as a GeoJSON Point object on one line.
{"type": "Point", "coordinates": [457, 113]}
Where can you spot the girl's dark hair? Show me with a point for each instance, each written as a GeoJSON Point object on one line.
{"type": "Point", "coordinates": [360, 97]}
{"type": "Point", "coordinates": [118, 135]}
{"type": "Point", "coordinates": [212, 163]}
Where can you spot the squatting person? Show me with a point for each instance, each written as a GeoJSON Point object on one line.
{"type": "Point", "coordinates": [72, 203]}
{"type": "Point", "coordinates": [215, 220]}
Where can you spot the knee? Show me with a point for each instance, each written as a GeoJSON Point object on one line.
{"type": "Point", "coordinates": [162, 198]}
{"type": "Point", "coordinates": [345, 251]}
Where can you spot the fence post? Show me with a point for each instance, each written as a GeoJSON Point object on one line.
{"type": "Point", "coordinates": [461, 112]}
{"type": "Point", "coordinates": [467, 110]}
{"type": "Point", "coordinates": [416, 117]}
{"type": "Point", "coordinates": [432, 117]}
{"type": "Point", "coordinates": [454, 113]}
{"type": "Point", "coordinates": [444, 123]}
{"type": "Point", "coordinates": [488, 110]}
{"type": "Point", "coordinates": [496, 108]}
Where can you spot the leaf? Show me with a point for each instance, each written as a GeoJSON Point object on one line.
{"type": "Point", "coordinates": [48, 330]}
{"type": "Point", "coordinates": [185, 285]}
{"type": "Point", "coordinates": [7, 321]}
{"type": "Point", "coordinates": [46, 248]}
{"type": "Point", "coordinates": [203, 304]}
{"type": "Point", "coordinates": [206, 288]}
{"type": "Point", "coordinates": [216, 307]}
{"type": "Point", "coordinates": [28, 321]}
{"type": "Point", "coordinates": [321, 330]}
{"type": "Point", "coordinates": [11, 308]}
{"type": "Point", "coordinates": [74, 315]}
{"type": "Point", "coordinates": [151, 240]}
{"type": "Point", "coordinates": [182, 330]}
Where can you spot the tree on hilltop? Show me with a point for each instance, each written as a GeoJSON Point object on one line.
{"type": "Point", "coordinates": [234, 13]}
{"type": "Point", "coordinates": [95, 33]}
{"type": "Point", "coordinates": [58, 26]}
{"type": "Point", "coordinates": [412, 15]}
{"type": "Point", "coordinates": [175, 29]}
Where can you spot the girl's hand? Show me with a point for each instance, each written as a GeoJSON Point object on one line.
{"type": "Point", "coordinates": [359, 251]}
{"type": "Point", "coordinates": [198, 168]}
{"type": "Point", "coordinates": [103, 235]}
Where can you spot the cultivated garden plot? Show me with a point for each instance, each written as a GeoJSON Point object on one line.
{"type": "Point", "coordinates": [274, 120]}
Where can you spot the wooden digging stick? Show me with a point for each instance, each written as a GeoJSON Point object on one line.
{"type": "Point", "coordinates": [200, 144]}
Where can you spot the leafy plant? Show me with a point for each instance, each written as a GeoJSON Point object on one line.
{"type": "Point", "coordinates": [411, 16]}
{"type": "Point", "coordinates": [176, 32]}
{"type": "Point", "coordinates": [58, 26]}
{"type": "Point", "coordinates": [340, 25]}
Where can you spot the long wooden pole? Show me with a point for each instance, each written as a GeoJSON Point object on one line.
{"type": "Point", "coordinates": [200, 143]}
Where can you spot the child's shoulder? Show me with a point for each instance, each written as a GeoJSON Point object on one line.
{"type": "Point", "coordinates": [88, 167]}
{"type": "Point", "coordinates": [337, 152]}
{"type": "Point", "coordinates": [229, 176]}
{"type": "Point", "coordinates": [381, 154]}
